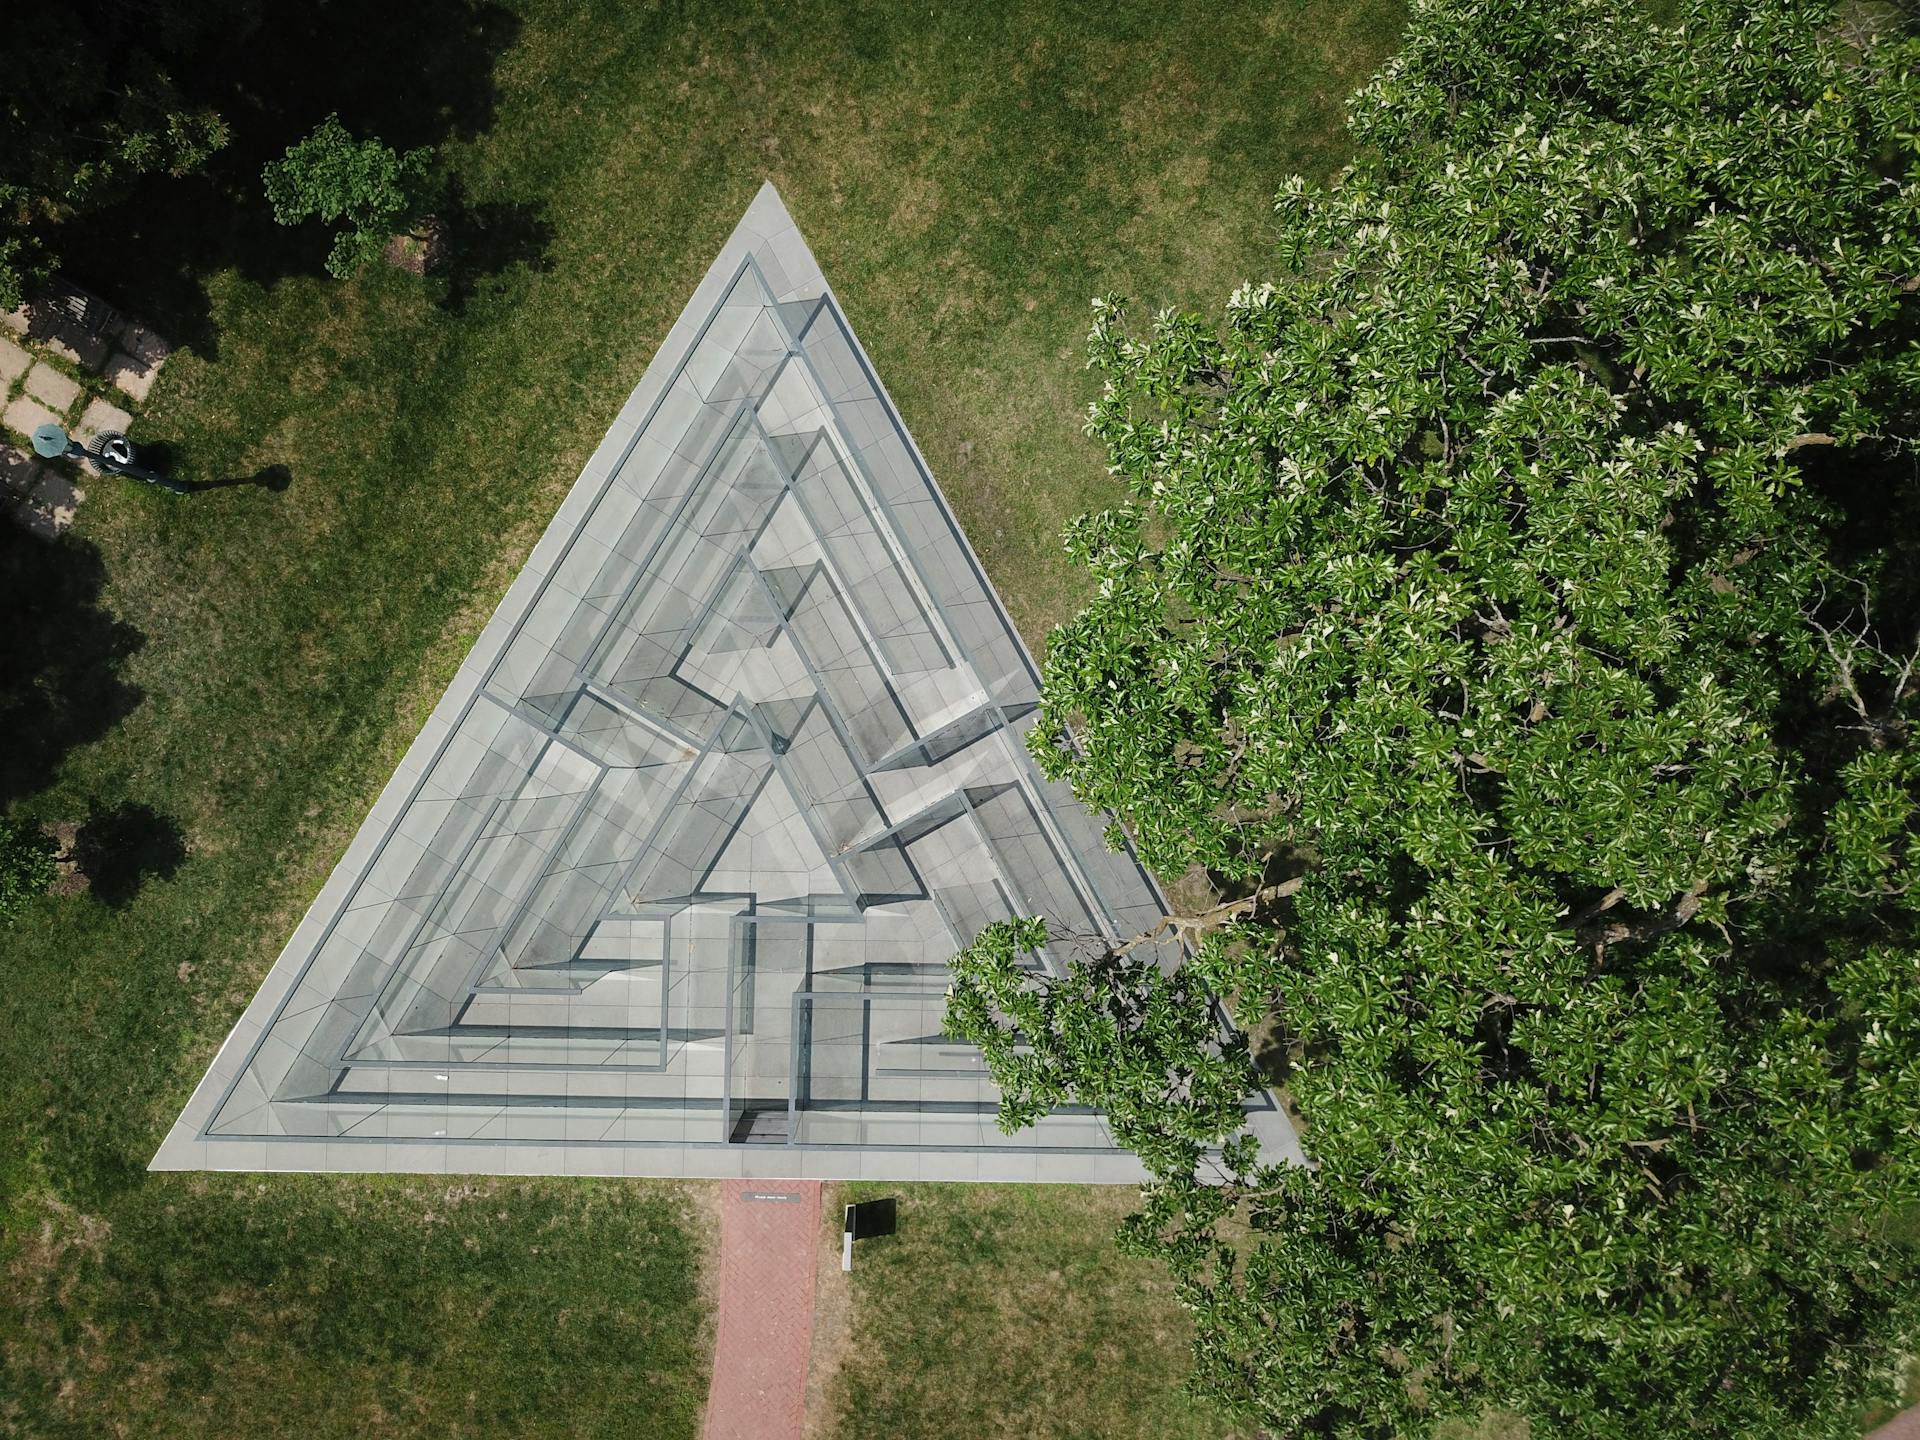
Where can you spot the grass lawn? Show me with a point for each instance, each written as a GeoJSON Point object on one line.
{"type": "Point", "coordinates": [222, 1305]}
{"type": "Point", "coordinates": [1005, 1310]}
{"type": "Point", "coordinates": [231, 678]}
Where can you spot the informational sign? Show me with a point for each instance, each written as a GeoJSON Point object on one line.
{"type": "Point", "coordinates": [865, 1221]}
{"type": "Point", "coordinates": [871, 1218]}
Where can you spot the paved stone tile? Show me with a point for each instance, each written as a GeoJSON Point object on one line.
{"type": "Point", "coordinates": [74, 324]}
{"type": "Point", "coordinates": [75, 345]}
{"type": "Point", "coordinates": [19, 473]}
{"type": "Point", "coordinates": [134, 378]}
{"type": "Point", "coordinates": [143, 345]}
{"type": "Point", "coordinates": [16, 320]}
{"type": "Point", "coordinates": [25, 415]}
{"type": "Point", "coordinates": [101, 415]}
{"type": "Point", "coordinates": [768, 1231]}
{"type": "Point", "coordinates": [57, 497]}
{"type": "Point", "coordinates": [48, 384]}
{"type": "Point", "coordinates": [34, 521]}
{"type": "Point", "coordinates": [13, 363]}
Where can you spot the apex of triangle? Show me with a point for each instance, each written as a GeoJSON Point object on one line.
{"type": "Point", "coordinates": [670, 879]}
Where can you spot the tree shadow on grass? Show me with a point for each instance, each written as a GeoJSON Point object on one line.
{"type": "Point", "coordinates": [480, 240]}
{"type": "Point", "coordinates": [119, 848]}
{"type": "Point", "coordinates": [61, 654]}
{"type": "Point", "coordinates": [417, 74]}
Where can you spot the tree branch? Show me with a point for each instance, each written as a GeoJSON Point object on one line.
{"type": "Point", "coordinates": [1187, 926]}
{"type": "Point", "coordinates": [1644, 927]}
{"type": "Point", "coordinates": [1882, 723]}
{"type": "Point", "coordinates": [1599, 907]}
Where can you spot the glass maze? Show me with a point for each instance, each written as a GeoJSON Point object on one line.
{"type": "Point", "coordinates": [669, 883]}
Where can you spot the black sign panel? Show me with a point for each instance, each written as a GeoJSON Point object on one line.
{"type": "Point", "coordinates": [870, 1218]}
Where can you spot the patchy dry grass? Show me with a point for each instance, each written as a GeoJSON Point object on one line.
{"type": "Point", "coordinates": [832, 1320]}
{"type": "Point", "coordinates": [215, 1305]}
{"type": "Point", "coordinates": [1006, 1311]}
{"type": "Point", "coordinates": [969, 176]}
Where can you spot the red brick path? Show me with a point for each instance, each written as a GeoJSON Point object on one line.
{"type": "Point", "coordinates": [759, 1389]}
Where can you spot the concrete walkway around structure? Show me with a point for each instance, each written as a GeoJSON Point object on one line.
{"type": "Point", "coordinates": [769, 1233]}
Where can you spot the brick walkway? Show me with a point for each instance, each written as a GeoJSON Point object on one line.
{"type": "Point", "coordinates": [759, 1389]}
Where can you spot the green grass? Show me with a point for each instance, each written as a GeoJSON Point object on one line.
{"type": "Point", "coordinates": [282, 1305]}
{"type": "Point", "coordinates": [250, 664]}
{"type": "Point", "coordinates": [1006, 1310]}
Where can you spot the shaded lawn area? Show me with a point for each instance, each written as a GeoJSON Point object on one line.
{"type": "Point", "coordinates": [1006, 1311]}
{"type": "Point", "coordinates": [241, 670]}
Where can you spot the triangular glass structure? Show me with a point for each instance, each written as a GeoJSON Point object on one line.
{"type": "Point", "coordinates": [669, 881]}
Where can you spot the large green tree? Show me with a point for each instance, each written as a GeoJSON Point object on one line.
{"type": "Point", "coordinates": [1515, 602]}
{"type": "Point", "coordinates": [365, 187]}
{"type": "Point", "coordinates": [89, 103]}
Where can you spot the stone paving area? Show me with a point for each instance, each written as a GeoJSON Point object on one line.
{"type": "Point", "coordinates": [34, 495]}
{"type": "Point", "coordinates": [768, 1233]}
{"type": "Point", "coordinates": [68, 358]}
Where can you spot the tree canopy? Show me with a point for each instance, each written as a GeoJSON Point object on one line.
{"type": "Point", "coordinates": [366, 185]}
{"type": "Point", "coordinates": [1527, 568]}
{"type": "Point", "coordinates": [153, 120]}
{"type": "Point", "coordinates": [89, 103]}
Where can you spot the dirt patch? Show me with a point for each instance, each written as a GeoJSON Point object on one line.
{"type": "Point", "coordinates": [917, 207]}
{"type": "Point", "coordinates": [702, 1215]}
{"type": "Point", "coordinates": [1189, 172]}
{"type": "Point", "coordinates": [69, 878]}
{"type": "Point", "coordinates": [417, 251]}
{"type": "Point", "coordinates": [703, 1220]}
{"type": "Point", "coordinates": [46, 1260]}
{"type": "Point", "coordinates": [832, 1321]}
{"type": "Point", "coordinates": [1192, 892]}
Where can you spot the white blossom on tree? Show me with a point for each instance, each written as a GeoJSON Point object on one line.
{"type": "Point", "coordinates": [1530, 565]}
